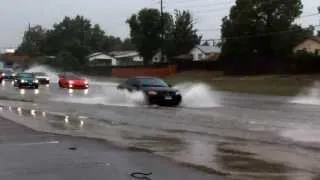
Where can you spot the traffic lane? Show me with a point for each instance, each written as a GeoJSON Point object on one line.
{"type": "Point", "coordinates": [107, 94]}
{"type": "Point", "coordinates": [34, 155]}
{"type": "Point", "coordinates": [221, 147]}
{"type": "Point", "coordinates": [225, 121]}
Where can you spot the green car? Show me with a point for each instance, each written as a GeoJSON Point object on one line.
{"type": "Point", "coordinates": [26, 80]}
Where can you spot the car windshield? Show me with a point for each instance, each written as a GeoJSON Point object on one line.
{"type": "Point", "coordinates": [73, 77]}
{"type": "Point", "coordinates": [8, 71]}
{"type": "Point", "coordinates": [153, 82]}
{"type": "Point", "coordinates": [26, 75]}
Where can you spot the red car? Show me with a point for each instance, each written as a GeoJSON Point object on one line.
{"type": "Point", "coordinates": [72, 81]}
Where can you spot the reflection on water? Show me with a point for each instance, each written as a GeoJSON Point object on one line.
{"type": "Point", "coordinates": [19, 109]}
{"type": "Point", "coordinates": [66, 119]}
{"type": "Point", "coordinates": [194, 149]}
{"type": "Point", "coordinates": [22, 91]}
{"type": "Point", "coordinates": [44, 114]}
{"type": "Point", "coordinates": [36, 91]}
{"type": "Point", "coordinates": [86, 91]}
{"type": "Point", "coordinates": [33, 113]}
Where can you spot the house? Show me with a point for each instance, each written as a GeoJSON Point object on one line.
{"type": "Point", "coordinates": [201, 52]}
{"type": "Point", "coordinates": [310, 45]}
{"type": "Point", "coordinates": [125, 58]}
{"type": "Point", "coordinates": [157, 58]}
{"type": "Point", "coordinates": [101, 59]}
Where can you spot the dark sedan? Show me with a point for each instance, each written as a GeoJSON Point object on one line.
{"type": "Point", "coordinates": [156, 90]}
{"type": "Point", "coordinates": [8, 74]}
{"type": "Point", "coordinates": [26, 80]}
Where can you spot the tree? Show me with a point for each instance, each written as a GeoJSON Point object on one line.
{"type": "Point", "coordinates": [32, 42]}
{"type": "Point", "coordinates": [257, 32]}
{"type": "Point", "coordinates": [112, 43]}
{"type": "Point", "coordinates": [184, 34]}
{"type": "Point", "coordinates": [75, 37]}
{"type": "Point", "coordinates": [71, 35]}
{"type": "Point", "coordinates": [127, 44]}
{"type": "Point", "coordinates": [98, 39]}
{"type": "Point", "coordinates": [145, 31]}
{"type": "Point", "coordinates": [206, 43]}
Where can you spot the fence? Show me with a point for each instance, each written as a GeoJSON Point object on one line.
{"type": "Point", "coordinates": [159, 70]}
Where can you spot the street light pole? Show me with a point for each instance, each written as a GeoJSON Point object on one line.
{"type": "Point", "coordinates": [162, 28]}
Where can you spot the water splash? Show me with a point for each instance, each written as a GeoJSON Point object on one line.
{"type": "Point", "coordinates": [198, 95]}
{"type": "Point", "coordinates": [303, 133]}
{"type": "Point", "coordinates": [195, 95]}
{"type": "Point", "coordinates": [105, 94]}
{"type": "Point", "coordinates": [53, 74]}
{"type": "Point", "coordinates": [309, 95]}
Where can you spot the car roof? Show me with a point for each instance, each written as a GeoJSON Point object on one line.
{"type": "Point", "coordinates": [25, 73]}
{"type": "Point", "coordinates": [144, 77]}
{"type": "Point", "coordinates": [39, 73]}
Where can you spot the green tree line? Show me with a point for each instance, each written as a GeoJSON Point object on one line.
{"type": "Point", "coordinates": [71, 40]}
{"type": "Point", "coordinates": [257, 36]}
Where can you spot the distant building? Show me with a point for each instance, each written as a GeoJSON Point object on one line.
{"type": "Point", "coordinates": [11, 60]}
{"type": "Point", "coordinates": [310, 45]}
{"type": "Point", "coordinates": [157, 58]}
{"type": "Point", "coordinates": [125, 58]}
{"type": "Point", "coordinates": [101, 59]}
{"type": "Point", "coordinates": [200, 53]}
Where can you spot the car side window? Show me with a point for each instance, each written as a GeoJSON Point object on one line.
{"type": "Point", "coordinates": [132, 83]}
{"type": "Point", "coordinates": [135, 83]}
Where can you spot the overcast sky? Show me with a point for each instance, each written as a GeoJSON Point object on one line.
{"type": "Point", "coordinates": [112, 14]}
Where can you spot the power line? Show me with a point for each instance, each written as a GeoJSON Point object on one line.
{"type": "Point", "coordinates": [305, 16]}
{"type": "Point", "coordinates": [204, 5]}
{"type": "Point", "coordinates": [259, 35]}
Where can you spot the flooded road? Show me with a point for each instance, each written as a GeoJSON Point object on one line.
{"type": "Point", "coordinates": [242, 136]}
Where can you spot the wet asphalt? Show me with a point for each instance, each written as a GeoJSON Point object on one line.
{"type": "Point", "coordinates": [32, 155]}
{"type": "Point", "coordinates": [241, 136]}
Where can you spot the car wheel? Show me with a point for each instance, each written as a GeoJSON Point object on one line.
{"type": "Point", "coordinates": [176, 103]}
{"type": "Point", "coordinates": [36, 86]}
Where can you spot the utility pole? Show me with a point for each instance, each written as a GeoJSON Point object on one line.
{"type": "Point", "coordinates": [162, 29]}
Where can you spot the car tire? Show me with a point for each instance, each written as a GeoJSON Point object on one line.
{"type": "Point", "coordinates": [36, 86]}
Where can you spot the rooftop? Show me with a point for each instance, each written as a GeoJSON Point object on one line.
{"type": "Point", "coordinates": [209, 49]}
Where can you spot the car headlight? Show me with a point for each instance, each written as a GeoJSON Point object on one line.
{"type": "Point", "coordinates": [47, 78]}
{"type": "Point", "coordinates": [23, 81]}
{"type": "Point", "coordinates": [70, 82]}
{"type": "Point", "coordinates": [178, 93]}
{"type": "Point", "coordinates": [152, 93]}
{"type": "Point", "coordinates": [13, 74]}
{"type": "Point", "coordinates": [85, 82]}
{"type": "Point", "coordinates": [36, 81]}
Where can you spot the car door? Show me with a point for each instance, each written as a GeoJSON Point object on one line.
{"type": "Point", "coordinates": [135, 85]}
{"type": "Point", "coordinates": [129, 85]}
